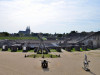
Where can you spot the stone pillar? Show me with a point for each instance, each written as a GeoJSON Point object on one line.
{"type": "Point", "coordinates": [84, 47]}
{"type": "Point", "coordinates": [35, 49]}
{"type": "Point", "coordinates": [58, 49]}
{"type": "Point", "coordinates": [25, 49]}
{"type": "Point", "coordinates": [19, 47]}
{"type": "Point", "coordinates": [77, 47]}
{"type": "Point", "coordinates": [68, 48]}
{"type": "Point", "coordinates": [13, 48]}
{"type": "Point", "coordinates": [4, 48]}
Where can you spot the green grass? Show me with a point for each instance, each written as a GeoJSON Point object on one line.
{"type": "Point", "coordinates": [85, 50]}
{"type": "Point", "coordinates": [22, 51]}
{"type": "Point", "coordinates": [31, 51]}
{"type": "Point", "coordinates": [44, 38]}
{"type": "Point", "coordinates": [45, 55]}
{"type": "Point", "coordinates": [9, 50]}
{"type": "Point", "coordinates": [82, 49]}
{"type": "Point", "coordinates": [53, 50]}
{"type": "Point", "coordinates": [73, 50]}
{"type": "Point", "coordinates": [0, 49]}
{"type": "Point", "coordinates": [19, 50]}
{"type": "Point", "coordinates": [18, 38]}
{"type": "Point", "coordinates": [88, 49]}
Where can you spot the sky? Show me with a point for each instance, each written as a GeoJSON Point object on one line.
{"type": "Point", "coordinates": [50, 16]}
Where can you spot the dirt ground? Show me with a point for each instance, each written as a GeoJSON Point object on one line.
{"type": "Point", "coordinates": [70, 63]}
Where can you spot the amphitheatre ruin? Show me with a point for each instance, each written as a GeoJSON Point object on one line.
{"type": "Point", "coordinates": [64, 56]}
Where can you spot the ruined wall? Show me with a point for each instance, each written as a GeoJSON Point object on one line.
{"type": "Point", "coordinates": [11, 42]}
{"type": "Point", "coordinates": [95, 39]}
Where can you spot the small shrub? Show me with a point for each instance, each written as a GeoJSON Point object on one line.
{"type": "Point", "coordinates": [88, 49]}
{"type": "Point", "coordinates": [82, 49]}
{"type": "Point", "coordinates": [73, 50]}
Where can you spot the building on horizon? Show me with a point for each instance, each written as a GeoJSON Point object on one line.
{"type": "Point", "coordinates": [27, 32]}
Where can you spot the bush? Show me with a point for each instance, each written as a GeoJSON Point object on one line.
{"type": "Point", "coordinates": [73, 50]}
{"type": "Point", "coordinates": [82, 49]}
{"type": "Point", "coordinates": [88, 49]}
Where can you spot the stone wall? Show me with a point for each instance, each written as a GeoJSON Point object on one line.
{"type": "Point", "coordinates": [93, 40]}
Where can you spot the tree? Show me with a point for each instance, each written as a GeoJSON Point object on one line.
{"type": "Point", "coordinates": [21, 34]}
{"type": "Point", "coordinates": [4, 34]}
{"type": "Point", "coordinates": [83, 32]}
{"type": "Point", "coordinates": [73, 32]}
{"type": "Point", "coordinates": [16, 34]}
{"type": "Point", "coordinates": [60, 35]}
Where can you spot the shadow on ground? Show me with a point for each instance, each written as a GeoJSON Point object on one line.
{"type": "Point", "coordinates": [46, 69]}
{"type": "Point", "coordinates": [88, 70]}
{"type": "Point", "coordinates": [91, 72]}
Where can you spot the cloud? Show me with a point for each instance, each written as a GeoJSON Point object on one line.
{"type": "Point", "coordinates": [24, 10]}
{"type": "Point", "coordinates": [42, 13]}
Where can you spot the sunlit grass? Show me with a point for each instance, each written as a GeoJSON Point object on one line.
{"type": "Point", "coordinates": [9, 50]}
{"type": "Point", "coordinates": [88, 49]}
{"type": "Point", "coordinates": [53, 50]}
{"type": "Point", "coordinates": [19, 50]}
{"type": "Point", "coordinates": [18, 38]}
{"type": "Point", "coordinates": [31, 51]}
{"type": "Point", "coordinates": [0, 49]}
{"type": "Point", "coordinates": [73, 50]}
{"type": "Point", "coordinates": [82, 49]}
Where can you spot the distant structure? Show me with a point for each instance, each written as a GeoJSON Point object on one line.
{"type": "Point", "coordinates": [76, 40]}
{"type": "Point", "coordinates": [25, 32]}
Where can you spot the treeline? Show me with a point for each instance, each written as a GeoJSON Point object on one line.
{"type": "Point", "coordinates": [59, 35]}
{"type": "Point", "coordinates": [4, 34]}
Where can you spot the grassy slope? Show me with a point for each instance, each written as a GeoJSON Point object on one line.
{"type": "Point", "coordinates": [18, 38]}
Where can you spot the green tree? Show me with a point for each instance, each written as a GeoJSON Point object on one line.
{"type": "Point", "coordinates": [60, 35]}
{"type": "Point", "coordinates": [4, 34]}
{"type": "Point", "coordinates": [73, 32]}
